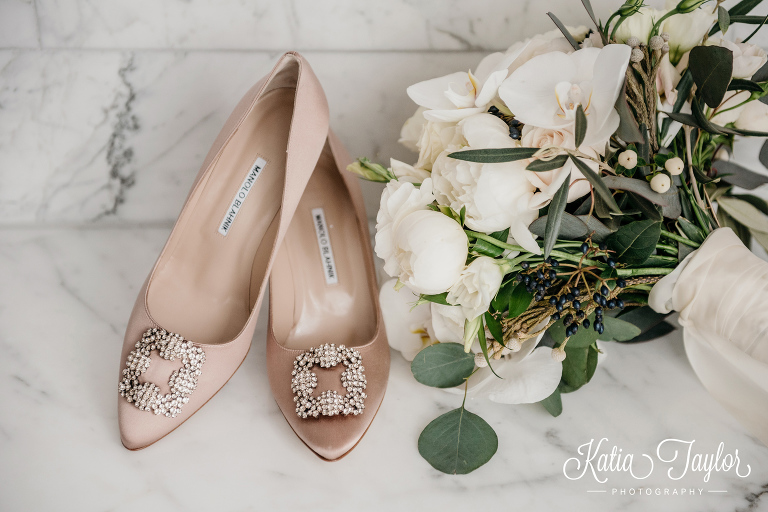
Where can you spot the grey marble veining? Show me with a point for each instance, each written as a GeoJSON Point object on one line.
{"type": "Point", "coordinates": [64, 302]}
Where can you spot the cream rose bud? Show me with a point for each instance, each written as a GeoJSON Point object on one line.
{"type": "Point", "coordinates": [628, 159]}
{"type": "Point", "coordinates": [638, 25]}
{"type": "Point", "coordinates": [447, 323]}
{"type": "Point", "coordinates": [687, 30]}
{"type": "Point", "coordinates": [660, 183]}
{"type": "Point", "coordinates": [430, 249]}
{"type": "Point", "coordinates": [476, 287]}
{"type": "Point", "coordinates": [747, 57]}
{"type": "Point", "coordinates": [754, 117]}
{"type": "Point", "coordinates": [674, 166]}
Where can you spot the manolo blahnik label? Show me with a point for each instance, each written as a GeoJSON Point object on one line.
{"type": "Point", "coordinates": [324, 243]}
{"type": "Point", "coordinates": [242, 193]}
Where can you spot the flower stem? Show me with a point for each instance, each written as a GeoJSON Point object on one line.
{"type": "Point", "coordinates": [643, 271]}
{"type": "Point", "coordinates": [679, 238]}
{"type": "Point", "coordinates": [491, 240]}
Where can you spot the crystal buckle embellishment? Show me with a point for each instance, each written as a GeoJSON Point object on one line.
{"type": "Point", "coordinates": [329, 403]}
{"type": "Point", "coordinates": [146, 395]}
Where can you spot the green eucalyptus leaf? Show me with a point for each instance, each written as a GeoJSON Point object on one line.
{"type": "Point", "coordinates": [617, 329]}
{"type": "Point", "coordinates": [644, 318]}
{"type": "Point", "coordinates": [547, 165]}
{"type": "Point", "coordinates": [580, 128]}
{"type": "Point", "coordinates": [735, 174]}
{"type": "Point", "coordinates": [458, 442]}
{"type": "Point", "coordinates": [553, 403]}
{"type": "Point", "coordinates": [657, 331]}
{"type": "Point", "coordinates": [597, 183]}
{"type": "Point", "coordinates": [555, 215]}
{"type": "Point", "coordinates": [712, 68]}
{"type": "Point", "coordinates": [571, 227]}
{"type": "Point", "coordinates": [443, 365]}
{"type": "Point", "coordinates": [493, 156]}
{"type": "Point", "coordinates": [634, 242]}
{"type": "Point", "coordinates": [740, 84]}
{"type": "Point", "coordinates": [579, 365]}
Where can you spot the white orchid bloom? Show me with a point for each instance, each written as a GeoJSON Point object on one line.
{"type": "Point", "coordinates": [547, 90]}
{"type": "Point", "coordinates": [408, 328]}
{"type": "Point", "coordinates": [453, 97]}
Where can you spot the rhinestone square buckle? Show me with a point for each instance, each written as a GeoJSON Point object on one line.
{"type": "Point", "coordinates": [146, 396]}
{"type": "Point", "coordinates": [329, 403]}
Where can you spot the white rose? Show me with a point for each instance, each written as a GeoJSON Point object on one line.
{"type": "Point", "coordinates": [638, 25]}
{"type": "Point", "coordinates": [476, 287]}
{"type": "Point", "coordinates": [435, 137]}
{"type": "Point", "coordinates": [732, 100]}
{"type": "Point", "coordinates": [448, 323]}
{"type": "Point", "coordinates": [548, 182]}
{"type": "Point", "coordinates": [747, 57]}
{"type": "Point", "coordinates": [399, 199]}
{"type": "Point", "coordinates": [687, 30]}
{"type": "Point", "coordinates": [754, 117]}
{"type": "Point", "coordinates": [410, 133]}
{"type": "Point", "coordinates": [408, 328]}
{"type": "Point", "coordinates": [430, 250]}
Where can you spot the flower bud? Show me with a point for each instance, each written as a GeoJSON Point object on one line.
{"type": "Point", "coordinates": [660, 183]}
{"type": "Point", "coordinates": [370, 171]}
{"type": "Point", "coordinates": [665, 48]}
{"type": "Point", "coordinates": [514, 344]}
{"type": "Point", "coordinates": [630, 7]}
{"type": "Point", "coordinates": [664, 36]}
{"type": "Point", "coordinates": [686, 6]}
{"type": "Point", "coordinates": [674, 166]}
{"type": "Point", "coordinates": [656, 43]}
{"type": "Point", "coordinates": [558, 354]}
{"type": "Point", "coordinates": [633, 42]}
{"type": "Point", "coordinates": [637, 55]}
{"type": "Point", "coordinates": [628, 159]}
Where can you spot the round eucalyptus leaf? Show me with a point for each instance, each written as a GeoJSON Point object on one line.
{"type": "Point", "coordinates": [443, 365]}
{"type": "Point", "coordinates": [458, 442]}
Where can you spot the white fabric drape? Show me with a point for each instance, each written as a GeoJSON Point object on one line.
{"type": "Point", "coordinates": [721, 293]}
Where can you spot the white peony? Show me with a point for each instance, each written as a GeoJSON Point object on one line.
{"type": "Point", "coordinates": [747, 58]}
{"type": "Point", "coordinates": [399, 199]}
{"type": "Point", "coordinates": [546, 90]}
{"type": "Point", "coordinates": [552, 41]}
{"type": "Point", "coordinates": [435, 137]}
{"type": "Point", "coordinates": [687, 30]}
{"type": "Point", "coordinates": [411, 131]}
{"type": "Point", "coordinates": [496, 196]}
{"type": "Point", "coordinates": [754, 117]}
{"type": "Point", "coordinates": [408, 328]}
{"type": "Point", "coordinates": [476, 287]}
{"type": "Point", "coordinates": [429, 250]}
{"type": "Point", "coordinates": [407, 172]}
{"type": "Point", "coordinates": [638, 25]}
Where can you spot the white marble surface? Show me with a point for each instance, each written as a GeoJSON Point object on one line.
{"type": "Point", "coordinates": [106, 110]}
{"type": "Point", "coordinates": [66, 296]}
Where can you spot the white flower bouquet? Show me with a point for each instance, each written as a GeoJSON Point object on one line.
{"type": "Point", "coordinates": [556, 184]}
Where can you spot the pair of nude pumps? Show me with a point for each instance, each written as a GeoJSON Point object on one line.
{"type": "Point", "coordinates": [270, 203]}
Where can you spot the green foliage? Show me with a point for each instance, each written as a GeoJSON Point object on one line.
{"type": "Point", "coordinates": [711, 68]}
{"type": "Point", "coordinates": [519, 300]}
{"type": "Point", "coordinates": [555, 215]}
{"type": "Point", "coordinates": [553, 403]}
{"type": "Point", "coordinates": [634, 242]}
{"type": "Point", "coordinates": [458, 442]}
{"type": "Point", "coordinates": [492, 156]}
{"type": "Point", "coordinates": [443, 365]}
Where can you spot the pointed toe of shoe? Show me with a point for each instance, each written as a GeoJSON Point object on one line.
{"type": "Point", "coordinates": [139, 429]}
{"type": "Point", "coordinates": [331, 438]}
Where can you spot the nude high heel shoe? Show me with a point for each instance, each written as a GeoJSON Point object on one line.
{"type": "Point", "coordinates": [327, 351]}
{"type": "Point", "coordinates": [195, 315]}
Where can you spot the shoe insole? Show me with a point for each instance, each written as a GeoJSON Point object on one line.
{"type": "Point", "coordinates": [202, 287]}
{"type": "Point", "coordinates": [316, 299]}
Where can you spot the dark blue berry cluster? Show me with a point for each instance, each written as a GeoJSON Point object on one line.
{"type": "Point", "coordinates": [539, 279]}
